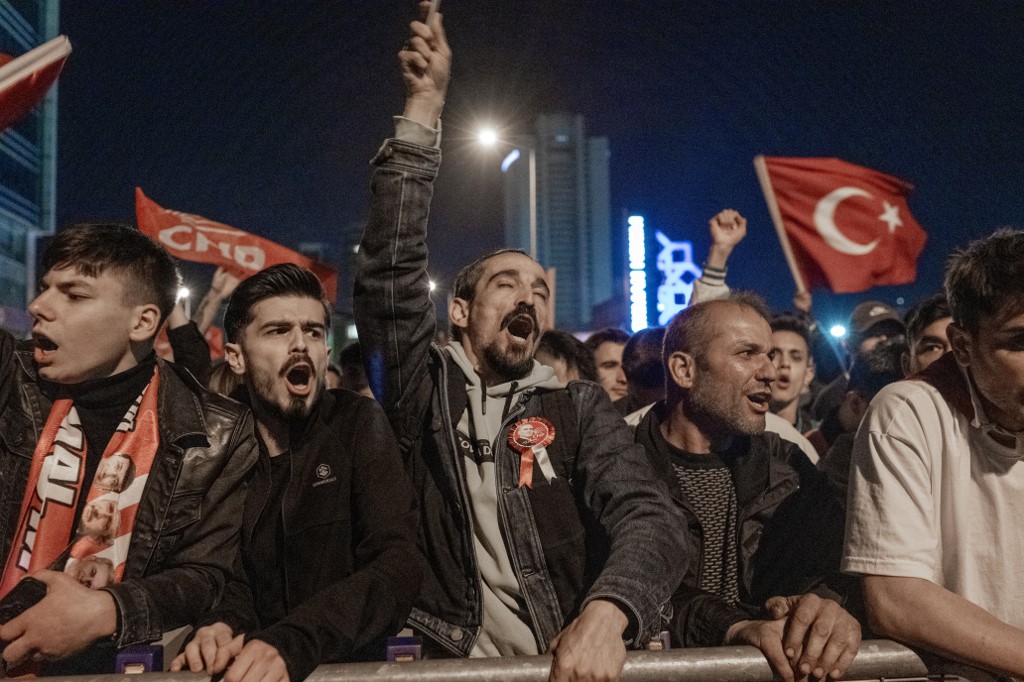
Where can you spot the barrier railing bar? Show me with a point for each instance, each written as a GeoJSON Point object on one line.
{"type": "Point", "coordinates": [877, 659]}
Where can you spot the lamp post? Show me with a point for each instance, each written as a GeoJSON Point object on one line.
{"type": "Point", "coordinates": [488, 137]}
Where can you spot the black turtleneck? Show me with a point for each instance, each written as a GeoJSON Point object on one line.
{"type": "Point", "coordinates": [101, 403]}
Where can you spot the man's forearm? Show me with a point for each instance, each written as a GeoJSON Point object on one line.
{"type": "Point", "coordinates": [921, 613]}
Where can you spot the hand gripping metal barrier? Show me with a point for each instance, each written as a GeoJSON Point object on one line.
{"type": "Point", "coordinates": [877, 660]}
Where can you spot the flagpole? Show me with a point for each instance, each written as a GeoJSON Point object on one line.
{"type": "Point", "coordinates": [773, 209]}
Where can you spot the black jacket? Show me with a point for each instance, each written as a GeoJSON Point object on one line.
{"type": "Point", "coordinates": [351, 566]}
{"type": "Point", "coordinates": [186, 536]}
{"type": "Point", "coordinates": [789, 533]}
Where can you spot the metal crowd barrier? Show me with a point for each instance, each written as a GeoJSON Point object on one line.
{"type": "Point", "coordinates": [877, 660]}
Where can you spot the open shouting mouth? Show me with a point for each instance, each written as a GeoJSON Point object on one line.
{"type": "Point", "coordinates": [298, 377]}
{"type": "Point", "coordinates": [45, 346]}
{"type": "Point", "coordinates": [521, 323]}
{"type": "Point", "coordinates": [759, 401]}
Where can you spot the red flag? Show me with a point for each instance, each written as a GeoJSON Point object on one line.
{"type": "Point", "coordinates": [25, 81]}
{"type": "Point", "coordinates": [194, 238]}
{"type": "Point", "coordinates": [849, 228]}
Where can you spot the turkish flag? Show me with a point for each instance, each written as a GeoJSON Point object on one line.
{"type": "Point", "coordinates": [24, 81]}
{"type": "Point", "coordinates": [194, 238]}
{"type": "Point", "coordinates": [849, 228]}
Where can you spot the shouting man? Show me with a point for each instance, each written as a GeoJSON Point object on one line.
{"type": "Point", "coordinates": [543, 525]}
{"type": "Point", "coordinates": [329, 543]}
{"type": "Point", "coordinates": [97, 434]}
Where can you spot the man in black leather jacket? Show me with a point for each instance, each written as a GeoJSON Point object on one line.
{"type": "Point", "coordinates": [764, 530]}
{"type": "Point", "coordinates": [329, 540]}
{"type": "Point", "coordinates": [94, 323]}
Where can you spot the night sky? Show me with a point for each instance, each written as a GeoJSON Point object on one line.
{"type": "Point", "coordinates": [264, 115]}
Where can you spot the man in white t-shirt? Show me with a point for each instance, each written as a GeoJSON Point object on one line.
{"type": "Point", "coordinates": [936, 504]}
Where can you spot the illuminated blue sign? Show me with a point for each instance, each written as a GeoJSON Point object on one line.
{"type": "Point", "coordinates": [637, 274]}
{"type": "Point", "coordinates": [675, 261]}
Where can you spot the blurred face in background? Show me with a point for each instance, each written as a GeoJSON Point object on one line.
{"type": "Point", "coordinates": [608, 359]}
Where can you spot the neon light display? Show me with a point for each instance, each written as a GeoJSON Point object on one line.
{"type": "Point", "coordinates": [637, 274]}
{"type": "Point", "coordinates": [675, 261]}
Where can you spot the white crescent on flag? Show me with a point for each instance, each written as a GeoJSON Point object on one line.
{"type": "Point", "coordinates": [825, 222]}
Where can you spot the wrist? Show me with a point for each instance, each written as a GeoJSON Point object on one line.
{"type": "Point", "coordinates": [608, 612]}
{"type": "Point", "coordinates": [424, 110]}
{"type": "Point", "coordinates": [718, 256]}
{"type": "Point", "coordinates": [105, 616]}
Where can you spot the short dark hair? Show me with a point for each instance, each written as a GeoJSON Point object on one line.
{"type": "Point", "coordinates": [149, 273]}
{"type": "Point", "coordinates": [286, 279]}
{"type": "Point", "coordinates": [879, 367]}
{"type": "Point", "coordinates": [925, 312]}
{"type": "Point", "coordinates": [351, 354]}
{"type": "Point", "coordinates": [468, 277]}
{"type": "Point", "coordinates": [791, 323]}
{"type": "Point", "coordinates": [606, 335]}
{"type": "Point", "coordinates": [565, 346]}
{"type": "Point", "coordinates": [641, 359]}
{"type": "Point", "coordinates": [690, 330]}
{"type": "Point", "coordinates": [986, 279]}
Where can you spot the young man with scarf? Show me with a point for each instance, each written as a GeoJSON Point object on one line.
{"type": "Point", "coordinates": [111, 457]}
{"type": "Point", "coordinates": [543, 525]}
{"type": "Point", "coordinates": [329, 540]}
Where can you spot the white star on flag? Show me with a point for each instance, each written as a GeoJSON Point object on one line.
{"type": "Point", "coordinates": [891, 216]}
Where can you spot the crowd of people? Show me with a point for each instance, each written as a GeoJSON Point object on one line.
{"type": "Point", "coordinates": [727, 479]}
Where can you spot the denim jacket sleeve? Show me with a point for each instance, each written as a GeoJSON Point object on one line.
{"type": "Point", "coordinates": [393, 311]}
{"type": "Point", "coordinates": [647, 557]}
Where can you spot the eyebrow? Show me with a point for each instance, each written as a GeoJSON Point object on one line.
{"type": "Point", "coordinates": [288, 323]}
{"type": "Point", "coordinates": [512, 272]}
{"type": "Point", "coordinates": [930, 338]}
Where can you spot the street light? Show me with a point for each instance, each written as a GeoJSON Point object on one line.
{"type": "Point", "coordinates": [488, 137]}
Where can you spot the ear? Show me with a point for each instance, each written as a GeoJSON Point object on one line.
{"type": "Point", "coordinates": [458, 312]}
{"type": "Point", "coordinates": [681, 369]}
{"type": "Point", "coordinates": [145, 323]}
{"type": "Point", "coordinates": [905, 363]}
{"type": "Point", "coordinates": [236, 359]}
{"type": "Point", "coordinates": [960, 342]}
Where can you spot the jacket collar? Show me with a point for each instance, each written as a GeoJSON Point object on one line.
{"type": "Point", "coordinates": [749, 459]}
{"type": "Point", "coordinates": [178, 407]}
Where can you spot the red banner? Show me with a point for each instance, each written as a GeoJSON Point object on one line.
{"type": "Point", "coordinates": [194, 238]}
{"type": "Point", "coordinates": [24, 81]}
{"type": "Point", "coordinates": [849, 227]}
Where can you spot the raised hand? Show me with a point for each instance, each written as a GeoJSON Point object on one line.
{"type": "Point", "coordinates": [426, 65]}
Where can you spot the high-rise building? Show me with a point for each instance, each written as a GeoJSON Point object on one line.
{"type": "Point", "coordinates": [28, 166]}
{"type": "Point", "coordinates": [573, 213]}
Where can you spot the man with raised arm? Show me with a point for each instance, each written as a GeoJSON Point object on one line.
{"type": "Point", "coordinates": [543, 525]}
{"type": "Point", "coordinates": [118, 468]}
{"type": "Point", "coordinates": [935, 504]}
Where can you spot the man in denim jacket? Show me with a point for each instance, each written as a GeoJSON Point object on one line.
{"type": "Point", "coordinates": [543, 524]}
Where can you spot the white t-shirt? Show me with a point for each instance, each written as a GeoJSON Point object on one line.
{"type": "Point", "coordinates": [934, 496]}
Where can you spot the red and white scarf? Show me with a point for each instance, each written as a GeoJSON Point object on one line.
{"type": "Point", "coordinates": [45, 533]}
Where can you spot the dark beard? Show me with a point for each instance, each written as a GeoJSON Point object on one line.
{"type": "Point", "coordinates": [295, 411]}
{"type": "Point", "coordinates": [506, 367]}
{"type": "Point", "coordinates": [716, 418]}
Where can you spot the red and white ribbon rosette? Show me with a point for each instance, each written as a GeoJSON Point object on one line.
{"type": "Point", "coordinates": [531, 437]}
